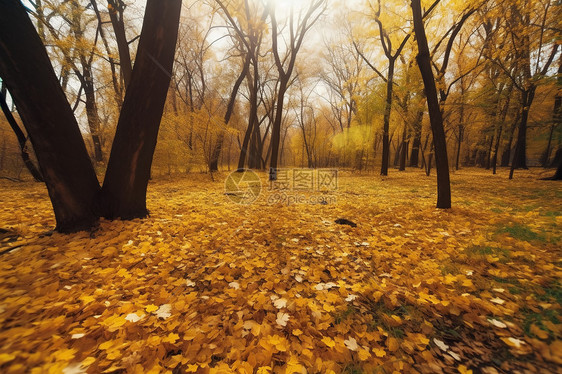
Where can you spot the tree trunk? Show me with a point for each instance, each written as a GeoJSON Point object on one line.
{"type": "Point", "coordinates": [459, 143]}
{"type": "Point", "coordinates": [213, 164]}
{"type": "Point", "coordinates": [404, 151]}
{"type": "Point", "coordinates": [116, 8]}
{"type": "Point", "coordinates": [520, 156]}
{"type": "Point", "coordinates": [123, 194]}
{"type": "Point", "coordinates": [253, 81]}
{"type": "Point", "coordinates": [92, 112]}
{"type": "Point", "coordinates": [506, 154]}
{"type": "Point", "coordinates": [276, 131]}
{"type": "Point", "coordinates": [386, 118]}
{"type": "Point", "coordinates": [558, 175]}
{"type": "Point", "coordinates": [48, 119]}
{"type": "Point", "coordinates": [435, 115]}
{"type": "Point", "coordinates": [87, 82]}
{"type": "Point", "coordinates": [546, 154]}
{"type": "Point", "coordinates": [414, 157]}
{"type": "Point", "coordinates": [489, 152]}
{"type": "Point", "coordinates": [22, 140]}
{"type": "Point", "coordinates": [496, 149]}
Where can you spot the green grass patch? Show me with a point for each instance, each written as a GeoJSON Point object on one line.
{"type": "Point", "coordinates": [531, 317]}
{"type": "Point", "coordinates": [352, 369]}
{"type": "Point", "coordinates": [552, 213]}
{"type": "Point", "coordinates": [450, 267]}
{"type": "Point", "coordinates": [521, 232]}
{"type": "Point", "coordinates": [552, 292]}
{"type": "Point", "coordinates": [342, 315]}
{"type": "Point", "coordinates": [483, 251]}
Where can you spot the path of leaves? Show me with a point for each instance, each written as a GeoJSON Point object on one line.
{"type": "Point", "coordinates": [205, 285]}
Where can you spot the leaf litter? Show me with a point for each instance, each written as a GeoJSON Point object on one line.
{"type": "Point", "coordinates": [205, 285]}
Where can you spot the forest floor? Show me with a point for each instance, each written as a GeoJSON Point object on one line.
{"type": "Point", "coordinates": [208, 285]}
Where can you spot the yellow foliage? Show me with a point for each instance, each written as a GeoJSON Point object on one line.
{"type": "Point", "coordinates": [205, 285]}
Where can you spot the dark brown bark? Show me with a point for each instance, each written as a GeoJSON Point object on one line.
{"type": "Point", "coordinates": [48, 118]}
{"type": "Point", "coordinates": [435, 115]}
{"type": "Point", "coordinates": [123, 194]}
{"type": "Point", "coordinates": [386, 118]}
{"type": "Point", "coordinates": [116, 8]}
{"type": "Point", "coordinates": [22, 140]}
{"type": "Point", "coordinates": [558, 175]}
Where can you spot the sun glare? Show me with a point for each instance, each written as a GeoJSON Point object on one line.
{"type": "Point", "coordinates": [287, 4]}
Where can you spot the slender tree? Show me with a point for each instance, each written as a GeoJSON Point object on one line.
{"type": "Point", "coordinates": [285, 65]}
{"type": "Point", "coordinates": [116, 10]}
{"type": "Point", "coordinates": [435, 115]}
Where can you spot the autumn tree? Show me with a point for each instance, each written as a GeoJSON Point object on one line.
{"type": "Point", "coordinates": [391, 56]}
{"type": "Point", "coordinates": [285, 58]}
{"type": "Point", "coordinates": [524, 58]}
{"type": "Point", "coordinates": [435, 115]}
{"type": "Point", "coordinates": [69, 175]}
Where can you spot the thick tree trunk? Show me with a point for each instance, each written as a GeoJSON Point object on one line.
{"type": "Point", "coordinates": [22, 140]}
{"type": "Point", "coordinates": [48, 119]}
{"type": "Point", "coordinates": [435, 115]}
{"type": "Point", "coordinates": [123, 194]}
